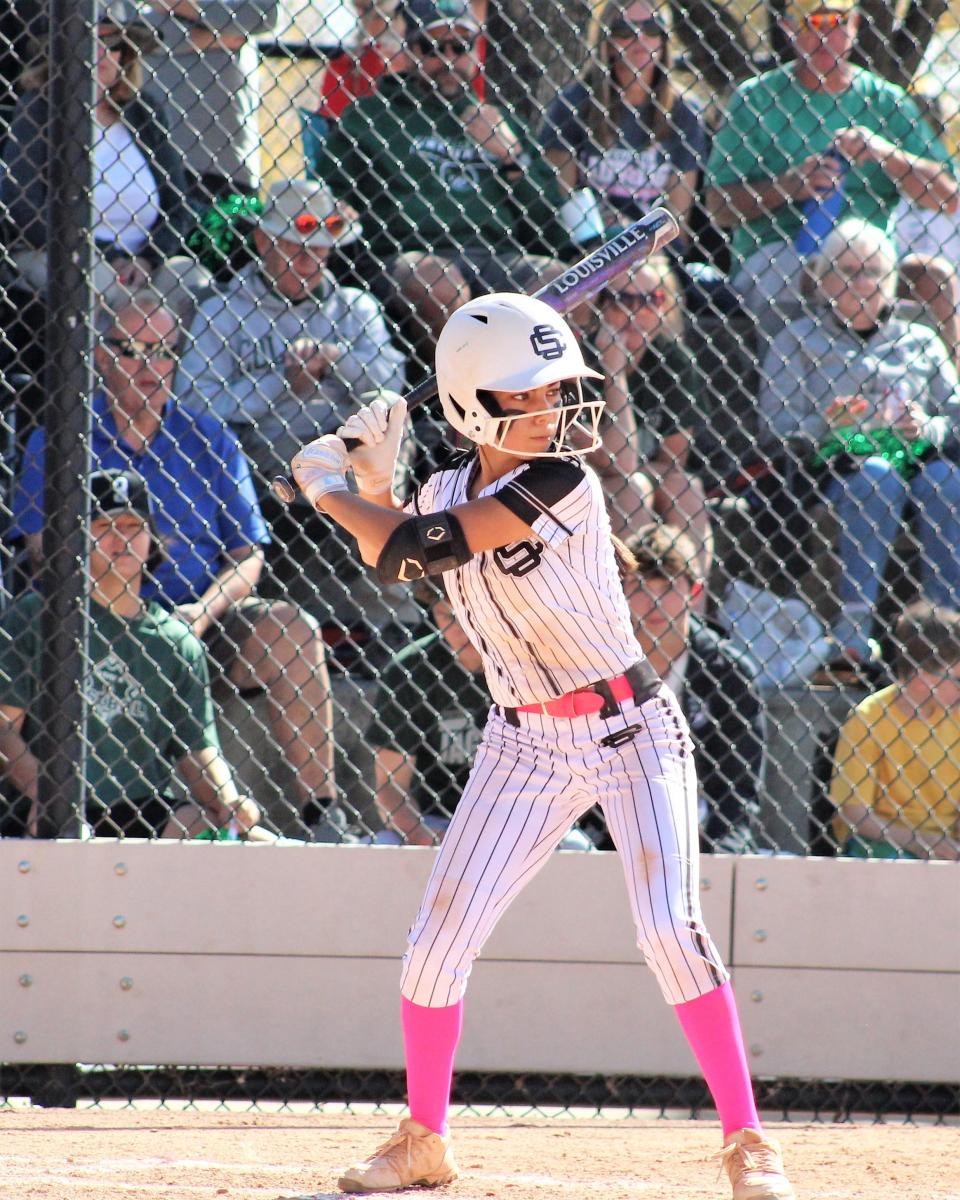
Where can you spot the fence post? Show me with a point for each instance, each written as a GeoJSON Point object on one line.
{"type": "Point", "coordinates": [68, 385]}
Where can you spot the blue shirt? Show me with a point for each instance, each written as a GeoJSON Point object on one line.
{"type": "Point", "coordinates": [199, 481]}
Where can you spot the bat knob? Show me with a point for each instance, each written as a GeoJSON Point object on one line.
{"type": "Point", "coordinates": [663, 225]}
{"type": "Point", "coordinates": [283, 489]}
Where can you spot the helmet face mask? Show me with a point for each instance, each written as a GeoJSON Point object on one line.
{"type": "Point", "coordinates": [577, 418]}
{"type": "Point", "coordinates": [512, 343]}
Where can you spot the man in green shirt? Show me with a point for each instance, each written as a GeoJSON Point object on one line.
{"type": "Point", "coordinates": [796, 133]}
{"type": "Point", "coordinates": [146, 692]}
{"type": "Point", "coordinates": [456, 198]}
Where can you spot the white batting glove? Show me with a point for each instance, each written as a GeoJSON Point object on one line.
{"type": "Point", "coordinates": [321, 467]}
{"type": "Point", "coordinates": [378, 426]}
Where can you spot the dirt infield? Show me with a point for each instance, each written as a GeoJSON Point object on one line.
{"type": "Point", "coordinates": [110, 1154]}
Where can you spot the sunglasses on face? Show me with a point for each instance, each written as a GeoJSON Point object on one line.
{"type": "Point", "coordinates": [636, 301]}
{"type": "Point", "coordinates": [825, 22]}
{"type": "Point", "coordinates": [439, 46]}
{"type": "Point", "coordinates": [143, 351]}
{"type": "Point", "coordinates": [648, 27]}
{"type": "Point", "coordinates": [307, 223]}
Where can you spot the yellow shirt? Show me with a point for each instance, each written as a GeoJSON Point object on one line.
{"type": "Point", "coordinates": [904, 768]}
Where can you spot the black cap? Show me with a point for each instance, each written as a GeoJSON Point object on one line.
{"type": "Point", "coordinates": [420, 16]}
{"type": "Point", "coordinates": [119, 491]}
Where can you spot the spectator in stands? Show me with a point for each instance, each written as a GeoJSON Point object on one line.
{"type": "Point", "coordinates": [786, 138]}
{"type": "Point", "coordinates": [21, 26]}
{"type": "Point", "coordinates": [212, 534]}
{"type": "Point", "coordinates": [896, 779]}
{"type": "Point", "coordinates": [147, 692]}
{"type": "Point", "coordinates": [429, 715]}
{"type": "Point", "coordinates": [621, 128]}
{"type": "Point", "coordinates": [455, 198]}
{"type": "Point", "coordinates": [353, 72]}
{"type": "Point", "coordinates": [714, 682]}
{"type": "Point", "coordinates": [868, 404]}
{"type": "Point", "coordinates": [205, 63]}
{"type": "Point", "coordinates": [651, 416]}
{"type": "Point", "coordinates": [281, 352]}
{"type": "Point", "coordinates": [925, 233]}
{"type": "Point", "coordinates": [137, 201]}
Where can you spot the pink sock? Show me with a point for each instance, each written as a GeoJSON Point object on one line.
{"type": "Point", "coordinates": [430, 1037]}
{"type": "Point", "coordinates": [712, 1028]}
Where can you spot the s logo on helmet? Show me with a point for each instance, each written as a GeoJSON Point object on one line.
{"type": "Point", "coordinates": [547, 342]}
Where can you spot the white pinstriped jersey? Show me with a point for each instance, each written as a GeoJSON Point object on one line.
{"type": "Point", "coordinates": [548, 615]}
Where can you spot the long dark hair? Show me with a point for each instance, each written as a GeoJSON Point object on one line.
{"type": "Point", "coordinates": [604, 106]}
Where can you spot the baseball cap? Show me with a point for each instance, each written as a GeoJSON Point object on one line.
{"type": "Point", "coordinates": [420, 16]}
{"type": "Point", "coordinates": [300, 210]}
{"type": "Point", "coordinates": [119, 491]}
{"type": "Point", "coordinates": [799, 10]}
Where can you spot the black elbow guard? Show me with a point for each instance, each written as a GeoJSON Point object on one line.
{"type": "Point", "coordinates": [423, 546]}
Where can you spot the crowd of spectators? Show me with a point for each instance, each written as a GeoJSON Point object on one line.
{"type": "Point", "coordinates": [421, 189]}
{"type": "Point", "coordinates": [793, 134]}
{"type": "Point", "coordinates": [211, 531]}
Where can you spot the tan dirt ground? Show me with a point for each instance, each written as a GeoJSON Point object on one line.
{"type": "Point", "coordinates": [115, 1154]}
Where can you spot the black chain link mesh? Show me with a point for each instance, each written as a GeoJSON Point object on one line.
{"type": "Point", "coordinates": [230, 320]}
{"type": "Point", "coordinates": [811, 1100]}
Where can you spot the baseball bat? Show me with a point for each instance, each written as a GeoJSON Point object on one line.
{"type": "Point", "coordinates": [576, 285]}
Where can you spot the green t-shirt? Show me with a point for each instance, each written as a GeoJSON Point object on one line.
{"type": "Point", "coordinates": [773, 123]}
{"type": "Point", "coordinates": [146, 687]}
{"type": "Point", "coordinates": [420, 182]}
{"type": "Point", "coordinates": [665, 386]}
{"type": "Point", "coordinates": [432, 709]}
{"type": "Point", "coordinates": [666, 391]}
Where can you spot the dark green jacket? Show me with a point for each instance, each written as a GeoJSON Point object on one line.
{"type": "Point", "coordinates": [420, 182]}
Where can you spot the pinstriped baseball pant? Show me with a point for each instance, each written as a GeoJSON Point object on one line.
{"type": "Point", "coordinates": [527, 786]}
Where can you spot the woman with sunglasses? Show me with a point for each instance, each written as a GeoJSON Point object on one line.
{"type": "Point", "coordinates": [621, 129]}
{"type": "Point", "coordinates": [137, 210]}
{"type": "Point", "coordinates": [651, 417]}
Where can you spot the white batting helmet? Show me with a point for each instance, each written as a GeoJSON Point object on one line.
{"type": "Point", "coordinates": [506, 342]}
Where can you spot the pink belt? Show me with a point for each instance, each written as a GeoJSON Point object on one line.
{"type": "Point", "coordinates": [583, 700]}
{"type": "Point", "coordinates": [638, 683]}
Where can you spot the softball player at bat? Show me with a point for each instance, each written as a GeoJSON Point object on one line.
{"type": "Point", "coordinates": [520, 534]}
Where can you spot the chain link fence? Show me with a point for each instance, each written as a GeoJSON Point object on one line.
{"type": "Point", "coordinates": [812, 1100]}
{"type": "Point", "coordinates": [222, 223]}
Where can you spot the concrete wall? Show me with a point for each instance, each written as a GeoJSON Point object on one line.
{"type": "Point", "coordinates": [227, 954]}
